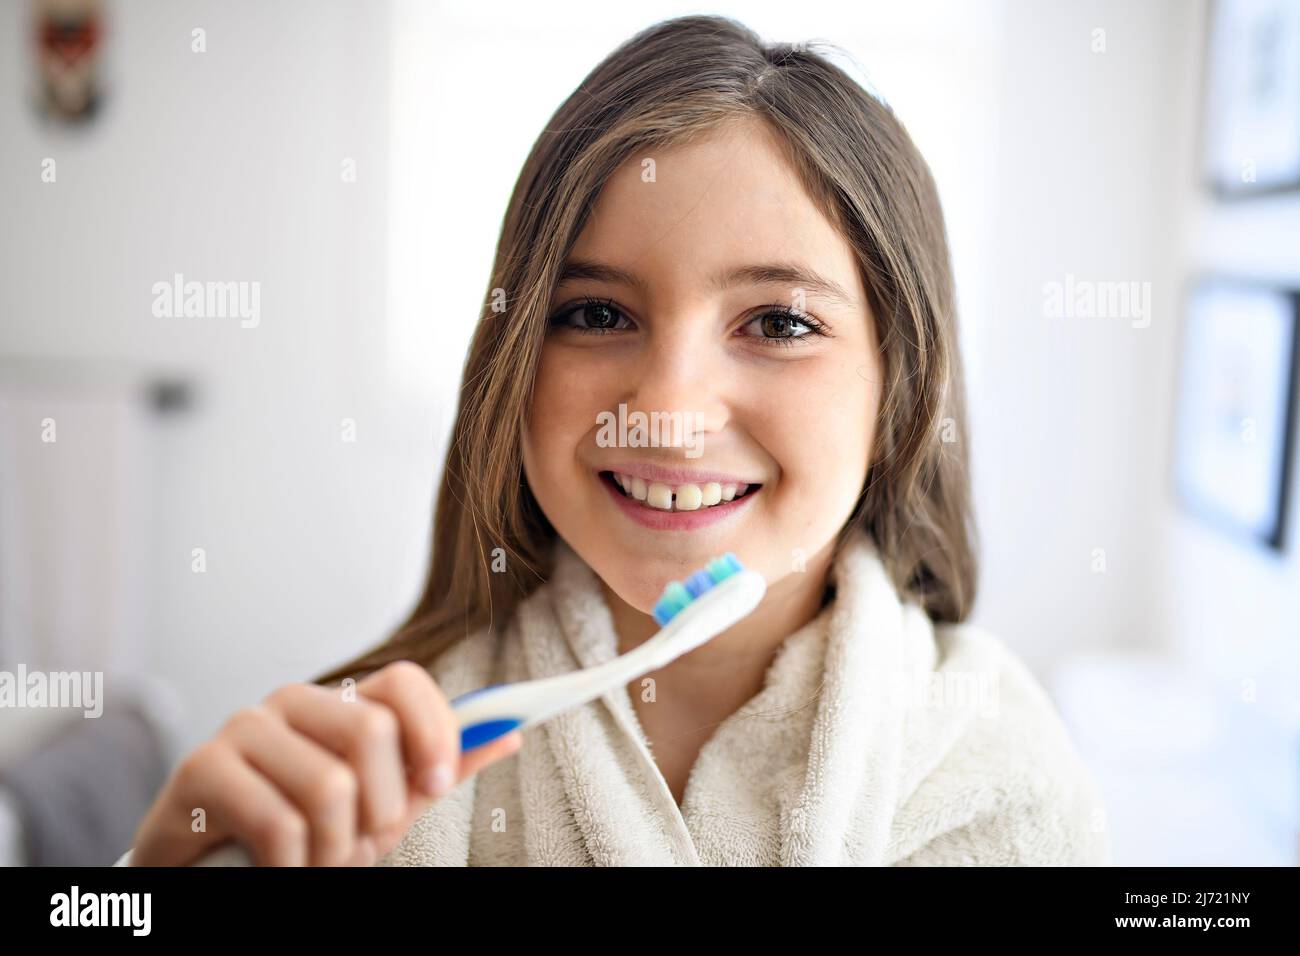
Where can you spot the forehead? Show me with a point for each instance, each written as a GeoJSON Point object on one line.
{"type": "Point", "coordinates": [678, 216]}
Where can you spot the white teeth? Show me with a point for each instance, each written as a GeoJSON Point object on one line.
{"type": "Point", "coordinates": [710, 494]}
{"type": "Point", "coordinates": [687, 497]}
{"type": "Point", "coordinates": [659, 496]}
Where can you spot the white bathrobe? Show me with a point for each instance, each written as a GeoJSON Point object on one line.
{"type": "Point", "coordinates": [877, 738]}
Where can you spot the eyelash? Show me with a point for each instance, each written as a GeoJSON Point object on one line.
{"type": "Point", "coordinates": [815, 328]}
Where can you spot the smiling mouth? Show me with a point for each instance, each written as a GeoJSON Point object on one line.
{"type": "Point", "coordinates": [657, 496]}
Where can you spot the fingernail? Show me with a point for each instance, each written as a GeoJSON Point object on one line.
{"type": "Point", "coordinates": [438, 780]}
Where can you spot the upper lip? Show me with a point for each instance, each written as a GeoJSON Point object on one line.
{"type": "Point", "coordinates": [677, 476]}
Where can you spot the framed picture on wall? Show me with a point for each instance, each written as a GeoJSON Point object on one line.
{"type": "Point", "coordinates": [1252, 96]}
{"type": "Point", "coordinates": [1236, 412]}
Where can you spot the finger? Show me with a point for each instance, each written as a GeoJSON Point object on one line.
{"type": "Point", "coordinates": [366, 852]}
{"type": "Point", "coordinates": [475, 759]}
{"type": "Point", "coordinates": [241, 803]}
{"type": "Point", "coordinates": [318, 782]}
{"type": "Point", "coordinates": [384, 840]}
{"type": "Point", "coordinates": [362, 732]}
{"type": "Point", "coordinates": [430, 731]}
{"type": "Point", "coordinates": [472, 762]}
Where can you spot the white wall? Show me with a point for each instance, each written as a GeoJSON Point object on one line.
{"type": "Point", "coordinates": [1070, 419]}
{"type": "Point", "coordinates": [226, 165]}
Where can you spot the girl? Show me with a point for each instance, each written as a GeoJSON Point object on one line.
{"type": "Point", "coordinates": [738, 235]}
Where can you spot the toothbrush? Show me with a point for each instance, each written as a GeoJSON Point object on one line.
{"type": "Point", "coordinates": [690, 613]}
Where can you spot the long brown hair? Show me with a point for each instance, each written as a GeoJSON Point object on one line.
{"type": "Point", "coordinates": [672, 82]}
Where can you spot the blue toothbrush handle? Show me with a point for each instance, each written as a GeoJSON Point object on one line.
{"type": "Point", "coordinates": [478, 733]}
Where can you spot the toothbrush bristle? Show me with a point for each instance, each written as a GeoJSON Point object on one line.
{"type": "Point", "coordinates": [678, 595]}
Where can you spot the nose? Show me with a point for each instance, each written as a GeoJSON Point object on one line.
{"type": "Point", "coordinates": [681, 374]}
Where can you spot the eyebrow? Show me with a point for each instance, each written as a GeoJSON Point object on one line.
{"type": "Point", "coordinates": [789, 274]}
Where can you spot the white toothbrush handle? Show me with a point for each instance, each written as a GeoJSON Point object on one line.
{"type": "Point", "coordinates": [526, 703]}
{"type": "Point", "coordinates": [227, 854]}
{"type": "Point", "coordinates": [494, 711]}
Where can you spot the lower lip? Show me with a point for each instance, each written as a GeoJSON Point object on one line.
{"type": "Point", "coordinates": [661, 520]}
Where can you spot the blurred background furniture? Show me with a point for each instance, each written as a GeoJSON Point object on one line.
{"type": "Point", "coordinates": [76, 794]}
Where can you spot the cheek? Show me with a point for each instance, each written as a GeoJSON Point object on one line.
{"type": "Point", "coordinates": [565, 402]}
{"type": "Point", "coordinates": [820, 426]}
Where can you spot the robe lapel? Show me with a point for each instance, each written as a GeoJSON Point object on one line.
{"type": "Point", "coordinates": [842, 815]}
{"type": "Point", "coordinates": [614, 793]}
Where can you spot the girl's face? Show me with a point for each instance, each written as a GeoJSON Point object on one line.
{"type": "Point", "coordinates": [682, 297]}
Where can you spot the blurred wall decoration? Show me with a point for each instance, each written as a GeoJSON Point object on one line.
{"type": "Point", "coordinates": [69, 42]}
{"type": "Point", "coordinates": [1253, 96]}
{"type": "Point", "coordinates": [1237, 396]}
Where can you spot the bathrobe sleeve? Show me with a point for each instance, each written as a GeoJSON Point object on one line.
{"type": "Point", "coordinates": [1011, 789]}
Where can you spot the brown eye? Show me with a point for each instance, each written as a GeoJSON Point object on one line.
{"type": "Point", "coordinates": [600, 315]}
{"type": "Point", "coordinates": [778, 326]}
{"type": "Point", "coordinates": [783, 327]}
{"type": "Point", "coordinates": [593, 316]}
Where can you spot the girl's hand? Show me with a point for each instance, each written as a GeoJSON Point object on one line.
{"type": "Point", "coordinates": [308, 778]}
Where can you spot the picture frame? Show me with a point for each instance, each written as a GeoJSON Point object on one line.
{"type": "Point", "coordinates": [1236, 409]}
{"type": "Point", "coordinates": [1251, 125]}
